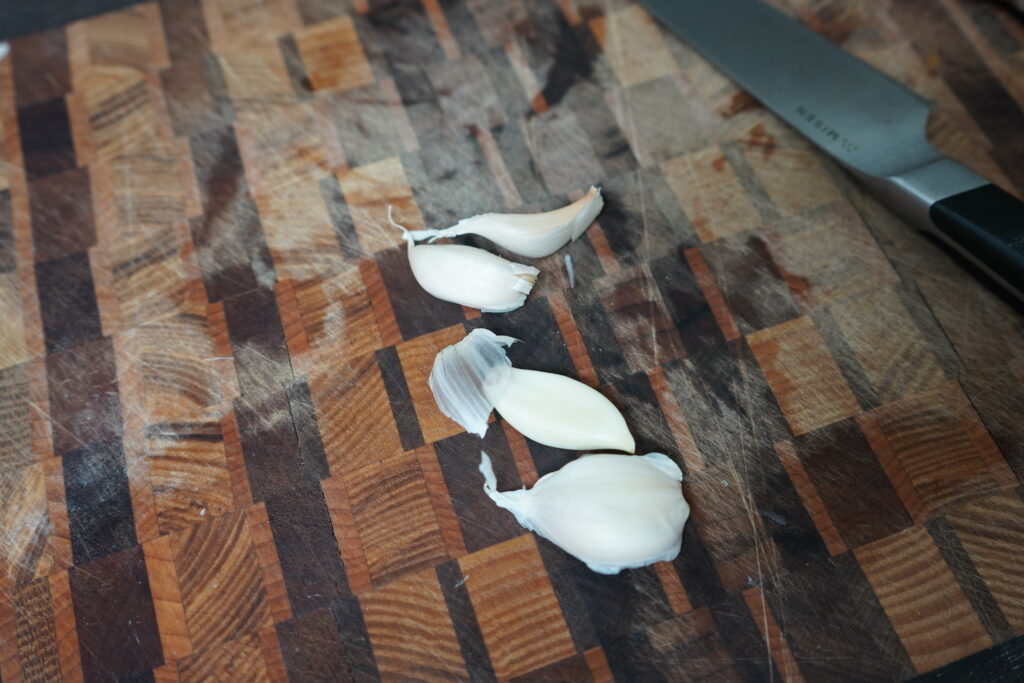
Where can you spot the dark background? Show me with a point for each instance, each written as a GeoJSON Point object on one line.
{"type": "Point", "coordinates": [18, 17]}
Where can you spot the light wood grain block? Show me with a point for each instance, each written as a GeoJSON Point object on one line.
{"type": "Point", "coordinates": [353, 413]}
{"type": "Point", "coordinates": [369, 190]}
{"type": "Point", "coordinates": [395, 518]}
{"type": "Point", "coordinates": [888, 345]}
{"type": "Point", "coordinates": [991, 529]}
{"type": "Point", "coordinates": [710, 193]}
{"type": "Point", "coordinates": [411, 632]}
{"type": "Point", "coordinates": [509, 589]}
{"type": "Point", "coordinates": [338, 316]}
{"type": "Point", "coordinates": [921, 596]}
{"type": "Point", "coordinates": [803, 376]}
{"type": "Point", "coordinates": [633, 45]}
{"type": "Point", "coordinates": [299, 233]}
{"type": "Point", "coordinates": [334, 56]}
{"type": "Point", "coordinates": [934, 437]}
{"type": "Point", "coordinates": [417, 358]}
{"type": "Point", "coordinates": [215, 559]}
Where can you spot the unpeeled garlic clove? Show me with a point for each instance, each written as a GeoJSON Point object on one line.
{"type": "Point", "coordinates": [474, 376]}
{"type": "Point", "coordinates": [534, 235]}
{"type": "Point", "coordinates": [613, 512]}
{"type": "Point", "coordinates": [469, 276]}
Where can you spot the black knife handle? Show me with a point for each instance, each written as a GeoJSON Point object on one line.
{"type": "Point", "coordinates": [987, 225]}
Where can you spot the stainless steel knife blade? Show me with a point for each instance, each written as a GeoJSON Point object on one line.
{"type": "Point", "coordinates": [867, 121]}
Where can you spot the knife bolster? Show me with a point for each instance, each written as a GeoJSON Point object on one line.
{"type": "Point", "coordinates": [912, 193]}
{"type": "Point", "coordinates": [959, 207]}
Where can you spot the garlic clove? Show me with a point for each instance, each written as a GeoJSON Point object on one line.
{"type": "Point", "coordinates": [469, 276]}
{"type": "Point", "coordinates": [613, 512]}
{"type": "Point", "coordinates": [561, 412]}
{"type": "Point", "coordinates": [474, 376]}
{"type": "Point", "coordinates": [534, 235]}
{"type": "Point", "coordinates": [460, 372]}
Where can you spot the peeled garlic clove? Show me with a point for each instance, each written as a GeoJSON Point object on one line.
{"type": "Point", "coordinates": [472, 377]}
{"type": "Point", "coordinates": [533, 235]}
{"type": "Point", "coordinates": [613, 512]}
{"type": "Point", "coordinates": [469, 276]}
{"type": "Point", "coordinates": [558, 411]}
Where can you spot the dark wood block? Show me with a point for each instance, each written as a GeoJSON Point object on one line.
{"type": "Point", "coordinates": [98, 500]}
{"type": "Point", "coordinates": [62, 214]}
{"type": "Point", "coordinates": [112, 595]}
{"type": "Point", "coordinates": [67, 302]}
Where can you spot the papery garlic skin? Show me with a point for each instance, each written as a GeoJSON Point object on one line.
{"type": "Point", "coordinates": [474, 376]}
{"type": "Point", "coordinates": [460, 372]}
{"type": "Point", "coordinates": [534, 235]}
{"type": "Point", "coordinates": [613, 512]}
{"type": "Point", "coordinates": [561, 412]}
{"type": "Point", "coordinates": [468, 276]}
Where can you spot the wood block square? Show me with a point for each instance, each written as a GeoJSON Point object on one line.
{"type": "Point", "coordinates": [62, 214]}
{"type": "Point", "coordinates": [395, 517]}
{"type": "Point", "coordinates": [788, 167]}
{"type": "Point", "coordinates": [828, 254]}
{"type": "Point", "coordinates": [516, 607]}
{"type": "Point", "coordinates": [924, 602]}
{"type": "Point", "coordinates": [13, 349]}
{"type": "Point", "coordinates": [189, 473]}
{"type": "Point", "coordinates": [556, 136]}
{"type": "Point", "coordinates": [15, 428]}
{"type": "Point", "coordinates": [632, 45]}
{"type": "Point", "coordinates": [46, 143]}
{"type": "Point", "coordinates": [149, 278]}
{"type": "Point", "coordinates": [417, 359]}
{"type": "Point", "coordinates": [238, 660]}
{"type": "Point", "coordinates": [116, 101]}
{"type": "Point", "coordinates": [889, 346]}
{"type": "Point", "coordinates": [710, 193]}
{"type": "Point", "coordinates": [368, 191]}
{"type": "Point", "coordinates": [357, 426]}
{"type": "Point", "coordinates": [34, 630]}
{"type": "Point", "coordinates": [338, 317]}
{"type": "Point", "coordinates": [130, 37]}
{"type": "Point", "coordinates": [220, 579]}
{"type": "Point", "coordinates": [938, 441]}
{"type": "Point", "coordinates": [738, 545]}
{"type": "Point", "coordinates": [147, 188]}
{"type": "Point", "coordinates": [299, 233]}
{"type": "Point", "coordinates": [991, 529]}
{"type": "Point", "coordinates": [281, 148]}
{"type": "Point", "coordinates": [466, 95]}
{"type": "Point", "coordinates": [692, 648]}
{"type": "Point", "coordinates": [180, 382]}
{"type": "Point", "coordinates": [166, 592]}
{"type": "Point", "coordinates": [256, 77]}
{"type": "Point", "coordinates": [803, 376]}
{"type": "Point", "coordinates": [637, 315]}
{"type": "Point", "coordinates": [24, 523]}
{"type": "Point", "coordinates": [411, 631]}
{"type": "Point", "coordinates": [659, 119]}
{"type": "Point", "coordinates": [113, 595]}
{"type": "Point", "coordinates": [333, 55]}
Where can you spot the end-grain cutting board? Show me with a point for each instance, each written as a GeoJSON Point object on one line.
{"type": "Point", "coordinates": [219, 459]}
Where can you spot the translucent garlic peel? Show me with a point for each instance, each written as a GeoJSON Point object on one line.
{"type": "Point", "coordinates": [471, 378]}
{"type": "Point", "coordinates": [460, 373]}
{"type": "Point", "coordinates": [469, 276]}
{"type": "Point", "coordinates": [534, 235]}
{"type": "Point", "coordinates": [561, 412]}
{"type": "Point", "coordinates": [613, 512]}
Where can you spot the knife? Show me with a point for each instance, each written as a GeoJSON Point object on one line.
{"type": "Point", "coordinates": [868, 122]}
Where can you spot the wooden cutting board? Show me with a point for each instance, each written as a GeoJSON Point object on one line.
{"type": "Point", "coordinates": [220, 459]}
